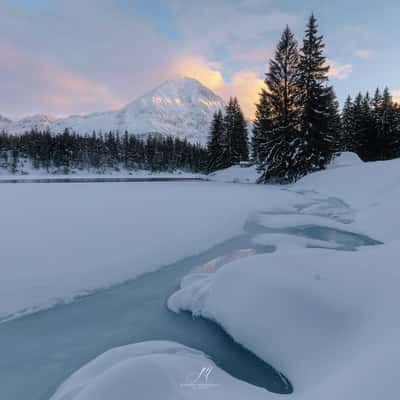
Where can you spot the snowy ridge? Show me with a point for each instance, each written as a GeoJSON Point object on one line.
{"type": "Point", "coordinates": [181, 107]}
{"type": "Point", "coordinates": [39, 121]}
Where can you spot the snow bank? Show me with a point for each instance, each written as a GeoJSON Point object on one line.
{"type": "Point", "coordinates": [235, 174]}
{"type": "Point", "coordinates": [154, 371]}
{"type": "Point", "coordinates": [329, 321]}
{"type": "Point", "coordinates": [346, 159]}
{"type": "Point", "coordinates": [371, 190]}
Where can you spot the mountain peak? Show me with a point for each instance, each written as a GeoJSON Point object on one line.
{"type": "Point", "coordinates": [180, 90]}
{"type": "Point", "coordinates": [181, 107]}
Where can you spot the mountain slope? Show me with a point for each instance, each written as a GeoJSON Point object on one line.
{"type": "Point", "coordinates": [181, 107]}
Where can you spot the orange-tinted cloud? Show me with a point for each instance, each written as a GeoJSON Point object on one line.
{"type": "Point", "coordinates": [339, 71]}
{"type": "Point", "coordinates": [396, 96]}
{"type": "Point", "coordinates": [245, 84]}
{"type": "Point", "coordinates": [198, 68]}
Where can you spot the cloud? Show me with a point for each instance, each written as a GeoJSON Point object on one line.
{"type": "Point", "coordinates": [210, 24]}
{"type": "Point", "coordinates": [259, 56]}
{"type": "Point", "coordinates": [109, 61]}
{"type": "Point", "coordinates": [244, 84]}
{"type": "Point", "coordinates": [396, 96]}
{"type": "Point", "coordinates": [68, 65]}
{"type": "Point", "coordinates": [198, 68]}
{"type": "Point", "coordinates": [339, 71]}
{"type": "Point", "coordinates": [366, 54]}
{"type": "Point", "coordinates": [36, 84]}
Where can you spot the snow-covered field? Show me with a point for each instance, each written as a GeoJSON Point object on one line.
{"type": "Point", "coordinates": [325, 317]}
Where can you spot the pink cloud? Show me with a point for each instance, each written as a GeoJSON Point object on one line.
{"type": "Point", "coordinates": [339, 71]}
{"type": "Point", "coordinates": [43, 85]}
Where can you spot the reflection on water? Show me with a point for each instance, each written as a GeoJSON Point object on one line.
{"type": "Point", "coordinates": [218, 262]}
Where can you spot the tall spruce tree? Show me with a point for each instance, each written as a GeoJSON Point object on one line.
{"type": "Point", "coordinates": [334, 123]}
{"type": "Point", "coordinates": [215, 142]}
{"type": "Point", "coordinates": [314, 147]}
{"type": "Point", "coordinates": [367, 134]}
{"type": "Point", "coordinates": [262, 127]}
{"type": "Point", "coordinates": [386, 129]}
{"type": "Point", "coordinates": [280, 119]}
{"type": "Point", "coordinates": [347, 118]}
{"type": "Point", "coordinates": [235, 147]}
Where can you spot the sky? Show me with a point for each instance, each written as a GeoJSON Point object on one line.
{"type": "Point", "coordinates": [65, 57]}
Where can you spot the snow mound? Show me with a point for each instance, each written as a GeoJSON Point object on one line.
{"type": "Point", "coordinates": [153, 371]}
{"type": "Point", "coordinates": [235, 174]}
{"type": "Point", "coordinates": [319, 319]}
{"type": "Point", "coordinates": [371, 190]}
{"type": "Point", "coordinates": [346, 159]}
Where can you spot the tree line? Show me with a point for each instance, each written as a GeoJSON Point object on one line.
{"type": "Point", "coordinates": [298, 126]}
{"type": "Point", "coordinates": [371, 126]}
{"type": "Point", "coordinates": [69, 152]}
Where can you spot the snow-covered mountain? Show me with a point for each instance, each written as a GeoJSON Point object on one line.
{"type": "Point", "coordinates": [39, 121]}
{"type": "Point", "coordinates": [181, 107]}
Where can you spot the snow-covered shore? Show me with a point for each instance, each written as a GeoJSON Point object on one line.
{"type": "Point", "coordinates": [327, 319]}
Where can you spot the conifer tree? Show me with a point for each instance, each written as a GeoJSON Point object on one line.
{"type": "Point", "coordinates": [262, 127]}
{"type": "Point", "coordinates": [334, 123]}
{"type": "Point", "coordinates": [280, 119]}
{"type": "Point", "coordinates": [386, 129]}
{"type": "Point", "coordinates": [367, 133]}
{"type": "Point", "coordinates": [215, 142]}
{"type": "Point", "coordinates": [235, 139]}
{"type": "Point", "coordinates": [314, 149]}
{"type": "Point", "coordinates": [347, 119]}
